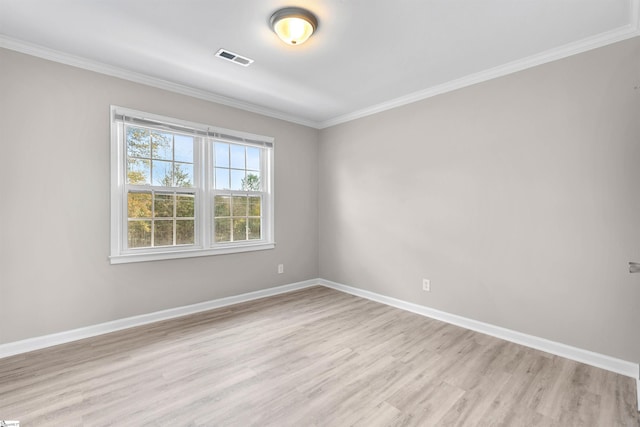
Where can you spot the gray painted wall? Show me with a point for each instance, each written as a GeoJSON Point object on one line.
{"type": "Point", "coordinates": [519, 198]}
{"type": "Point", "coordinates": [54, 238]}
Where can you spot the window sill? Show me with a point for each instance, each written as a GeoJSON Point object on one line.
{"type": "Point", "coordinates": [189, 253]}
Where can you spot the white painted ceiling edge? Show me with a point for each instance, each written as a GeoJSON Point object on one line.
{"type": "Point", "coordinates": [98, 67]}
{"type": "Point", "coordinates": [600, 40]}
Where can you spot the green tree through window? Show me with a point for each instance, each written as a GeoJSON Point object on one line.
{"type": "Point", "coordinates": [157, 161]}
{"type": "Point", "coordinates": [251, 182]}
{"type": "Point", "coordinates": [238, 204]}
{"type": "Point", "coordinates": [183, 189]}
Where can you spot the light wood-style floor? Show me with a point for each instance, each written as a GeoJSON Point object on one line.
{"type": "Point", "coordinates": [315, 357]}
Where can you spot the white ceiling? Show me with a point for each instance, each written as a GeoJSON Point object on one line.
{"type": "Point", "coordinates": [367, 55]}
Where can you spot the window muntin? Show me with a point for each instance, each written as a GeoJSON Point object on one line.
{"type": "Point", "coordinates": [160, 181]}
{"type": "Point", "coordinates": [157, 218]}
{"type": "Point", "coordinates": [238, 196]}
{"type": "Point", "coordinates": [237, 167]}
{"type": "Point", "coordinates": [159, 158]}
{"type": "Point", "coordinates": [183, 189]}
{"type": "Point", "coordinates": [237, 218]}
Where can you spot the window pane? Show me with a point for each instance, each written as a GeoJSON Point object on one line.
{"type": "Point", "coordinates": [163, 233]}
{"type": "Point", "coordinates": [237, 157]}
{"type": "Point", "coordinates": [222, 179]}
{"type": "Point", "coordinates": [163, 206]}
{"type": "Point", "coordinates": [139, 234]}
{"type": "Point", "coordinates": [253, 158]}
{"type": "Point", "coordinates": [222, 206]}
{"type": "Point", "coordinates": [251, 182]}
{"type": "Point", "coordinates": [185, 232]}
{"type": "Point", "coordinates": [183, 146]}
{"type": "Point", "coordinates": [222, 155]}
{"type": "Point", "coordinates": [183, 175]}
{"type": "Point", "coordinates": [239, 229]}
{"type": "Point", "coordinates": [223, 230]}
{"type": "Point", "coordinates": [185, 206]}
{"type": "Point", "coordinates": [138, 142]}
{"type": "Point", "coordinates": [254, 206]}
{"type": "Point", "coordinates": [138, 171]}
{"type": "Point", "coordinates": [254, 228]}
{"type": "Point", "coordinates": [162, 173]}
{"type": "Point", "coordinates": [162, 145]}
{"type": "Point", "coordinates": [139, 205]}
{"type": "Point", "coordinates": [239, 206]}
{"type": "Point", "coordinates": [237, 177]}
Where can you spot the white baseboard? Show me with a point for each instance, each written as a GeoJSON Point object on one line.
{"type": "Point", "coordinates": [609, 363]}
{"type": "Point", "coordinates": [38, 343]}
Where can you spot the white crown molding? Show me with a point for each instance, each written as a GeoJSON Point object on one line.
{"type": "Point", "coordinates": [602, 361]}
{"type": "Point", "coordinates": [99, 67]}
{"type": "Point", "coordinates": [37, 343]}
{"type": "Point", "coordinates": [600, 40]}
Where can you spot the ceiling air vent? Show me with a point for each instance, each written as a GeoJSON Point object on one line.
{"type": "Point", "coordinates": [234, 57]}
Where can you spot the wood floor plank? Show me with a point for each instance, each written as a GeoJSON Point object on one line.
{"type": "Point", "coordinates": [316, 357]}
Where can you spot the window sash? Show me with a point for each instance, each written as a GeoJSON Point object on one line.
{"type": "Point", "coordinates": [153, 218]}
{"type": "Point", "coordinates": [264, 209]}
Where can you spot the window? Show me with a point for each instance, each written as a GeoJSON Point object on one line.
{"type": "Point", "coordinates": [182, 189]}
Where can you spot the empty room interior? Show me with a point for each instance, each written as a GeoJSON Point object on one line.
{"type": "Point", "coordinates": [325, 213]}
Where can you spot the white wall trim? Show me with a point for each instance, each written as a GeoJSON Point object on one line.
{"type": "Point", "coordinates": [109, 70]}
{"type": "Point", "coordinates": [609, 37]}
{"type": "Point", "coordinates": [590, 43]}
{"type": "Point", "coordinates": [609, 363]}
{"type": "Point", "coordinates": [37, 343]}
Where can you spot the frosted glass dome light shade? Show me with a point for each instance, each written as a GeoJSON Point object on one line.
{"type": "Point", "coordinates": [293, 25]}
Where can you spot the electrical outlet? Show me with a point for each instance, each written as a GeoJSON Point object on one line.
{"type": "Point", "coordinates": [426, 285]}
{"type": "Point", "coordinates": [280, 268]}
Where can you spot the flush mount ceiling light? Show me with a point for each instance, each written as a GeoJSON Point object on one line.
{"type": "Point", "coordinates": [293, 25]}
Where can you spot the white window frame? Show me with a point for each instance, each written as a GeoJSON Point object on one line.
{"type": "Point", "coordinates": [206, 136]}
